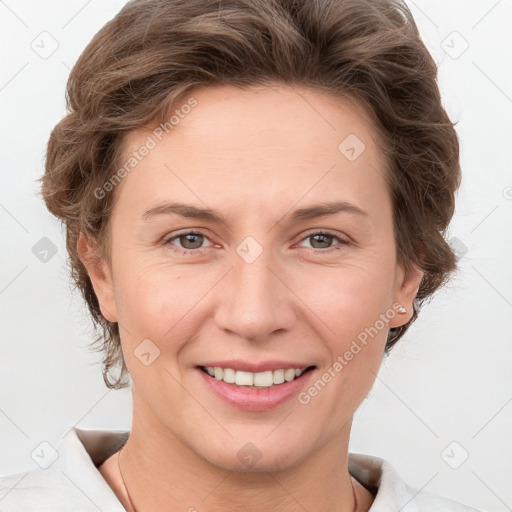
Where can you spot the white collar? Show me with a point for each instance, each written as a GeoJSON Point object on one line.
{"type": "Point", "coordinates": [73, 478]}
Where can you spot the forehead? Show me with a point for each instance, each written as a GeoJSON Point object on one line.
{"type": "Point", "coordinates": [233, 118]}
{"type": "Point", "coordinates": [263, 142]}
{"type": "Point", "coordinates": [230, 114]}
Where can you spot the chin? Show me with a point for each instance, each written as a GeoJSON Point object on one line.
{"type": "Point", "coordinates": [249, 458]}
{"type": "Point", "coordinates": [265, 465]}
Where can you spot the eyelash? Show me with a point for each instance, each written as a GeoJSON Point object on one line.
{"type": "Point", "coordinates": [309, 235]}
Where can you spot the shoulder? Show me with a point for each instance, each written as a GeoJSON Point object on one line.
{"type": "Point", "coordinates": [35, 490]}
{"type": "Point", "coordinates": [424, 501]}
{"type": "Point", "coordinates": [69, 480]}
{"type": "Point", "coordinates": [393, 493]}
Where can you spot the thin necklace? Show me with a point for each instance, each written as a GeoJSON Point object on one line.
{"type": "Point", "coordinates": [124, 483]}
{"type": "Point", "coordinates": [135, 510]}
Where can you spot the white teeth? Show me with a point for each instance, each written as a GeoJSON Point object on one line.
{"type": "Point", "coordinates": [278, 376]}
{"type": "Point", "coordinates": [229, 376]}
{"type": "Point", "coordinates": [244, 378]}
{"type": "Point", "coordinates": [289, 375]}
{"type": "Point", "coordinates": [264, 379]}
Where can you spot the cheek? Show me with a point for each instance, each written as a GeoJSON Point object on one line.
{"type": "Point", "coordinates": [155, 305]}
{"type": "Point", "coordinates": [349, 304]}
{"type": "Point", "coordinates": [155, 299]}
{"type": "Point", "coordinates": [348, 298]}
{"type": "Point", "coordinates": [354, 306]}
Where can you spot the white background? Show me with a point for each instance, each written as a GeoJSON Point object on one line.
{"type": "Point", "coordinates": [450, 378]}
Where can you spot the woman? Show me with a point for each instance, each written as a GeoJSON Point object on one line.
{"type": "Point", "coordinates": [255, 196]}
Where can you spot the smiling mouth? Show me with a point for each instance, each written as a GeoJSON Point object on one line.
{"type": "Point", "coordinates": [260, 380]}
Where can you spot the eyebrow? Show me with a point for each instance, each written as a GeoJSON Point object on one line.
{"type": "Point", "coordinates": [311, 212]}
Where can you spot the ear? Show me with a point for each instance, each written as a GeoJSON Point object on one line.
{"type": "Point", "coordinates": [406, 289]}
{"type": "Point", "coordinates": [100, 275]}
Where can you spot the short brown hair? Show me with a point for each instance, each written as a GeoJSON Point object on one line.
{"type": "Point", "coordinates": [154, 51]}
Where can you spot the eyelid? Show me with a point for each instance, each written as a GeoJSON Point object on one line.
{"type": "Point", "coordinates": [191, 231]}
{"type": "Point", "coordinates": [343, 239]}
{"type": "Point", "coordinates": [322, 231]}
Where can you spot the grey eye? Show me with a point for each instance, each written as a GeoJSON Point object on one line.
{"type": "Point", "coordinates": [324, 241]}
{"type": "Point", "coordinates": [191, 240]}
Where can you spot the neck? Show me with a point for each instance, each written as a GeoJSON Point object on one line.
{"type": "Point", "coordinates": [160, 469]}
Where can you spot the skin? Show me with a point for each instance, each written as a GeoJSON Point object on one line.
{"type": "Point", "coordinates": [254, 156]}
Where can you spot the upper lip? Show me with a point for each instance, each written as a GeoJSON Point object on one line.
{"type": "Point", "coordinates": [248, 366]}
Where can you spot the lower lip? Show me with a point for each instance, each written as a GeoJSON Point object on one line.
{"type": "Point", "coordinates": [252, 399]}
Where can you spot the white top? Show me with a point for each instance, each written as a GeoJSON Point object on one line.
{"type": "Point", "coordinates": [69, 480]}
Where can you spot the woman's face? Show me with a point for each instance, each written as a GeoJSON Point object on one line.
{"type": "Point", "coordinates": [265, 279]}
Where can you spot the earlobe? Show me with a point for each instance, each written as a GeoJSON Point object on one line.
{"type": "Point", "coordinates": [100, 275]}
{"type": "Point", "coordinates": [405, 293]}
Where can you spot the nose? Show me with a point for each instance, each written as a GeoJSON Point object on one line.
{"type": "Point", "coordinates": [254, 300]}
